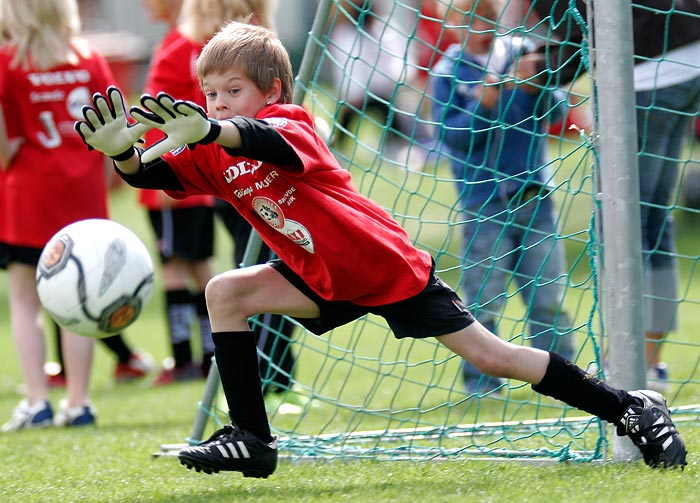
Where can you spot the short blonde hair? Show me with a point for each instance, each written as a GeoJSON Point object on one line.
{"type": "Point", "coordinates": [263, 12]}
{"type": "Point", "coordinates": [41, 31]}
{"type": "Point", "coordinates": [201, 19]}
{"type": "Point", "coordinates": [255, 50]}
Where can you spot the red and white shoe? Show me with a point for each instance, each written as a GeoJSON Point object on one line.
{"type": "Point", "coordinates": [138, 367]}
{"type": "Point", "coordinates": [171, 374]}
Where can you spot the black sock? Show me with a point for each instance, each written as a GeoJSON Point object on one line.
{"type": "Point", "coordinates": [182, 353]}
{"type": "Point", "coordinates": [566, 382]}
{"type": "Point", "coordinates": [237, 360]}
{"type": "Point", "coordinates": [117, 345]}
{"type": "Point", "coordinates": [59, 348]}
{"type": "Point", "coordinates": [181, 309]}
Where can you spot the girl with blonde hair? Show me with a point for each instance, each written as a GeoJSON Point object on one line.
{"type": "Point", "coordinates": [47, 73]}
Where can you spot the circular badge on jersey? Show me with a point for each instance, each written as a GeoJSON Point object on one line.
{"type": "Point", "coordinates": [76, 99]}
{"type": "Point", "coordinates": [271, 212]}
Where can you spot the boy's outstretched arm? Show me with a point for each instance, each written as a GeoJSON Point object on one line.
{"type": "Point", "coordinates": [184, 123]}
{"type": "Point", "coordinates": [105, 128]}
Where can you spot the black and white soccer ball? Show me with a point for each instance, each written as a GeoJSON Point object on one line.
{"type": "Point", "coordinates": [95, 277]}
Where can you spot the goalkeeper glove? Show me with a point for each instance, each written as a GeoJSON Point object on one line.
{"type": "Point", "coordinates": [183, 122]}
{"type": "Point", "coordinates": [106, 127]}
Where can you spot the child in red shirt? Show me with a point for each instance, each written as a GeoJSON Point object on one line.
{"type": "Point", "coordinates": [50, 181]}
{"type": "Point", "coordinates": [183, 228]}
{"type": "Point", "coordinates": [341, 255]}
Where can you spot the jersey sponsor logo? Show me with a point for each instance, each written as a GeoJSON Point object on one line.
{"type": "Point", "coordinates": [241, 168]}
{"type": "Point", "coordinates": [262, 184]}
{"type": "Point", "coordinates": [288, 197]}
{"type": "Point", "coordinates": [265, 182]}
{"type": "Point", "coordinates": [62, 77]}
{"type": "Point", "coordinates": [298, 234]}
{"type": "Point", "coordinates": [47, 96]}
{"type": "Point", "coordinates": [271, 212]}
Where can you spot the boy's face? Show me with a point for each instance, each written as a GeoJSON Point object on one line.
{"type": "Point", "coordinates": [232, 93]}
{"type": "Point", "coordinates": [475, 32]}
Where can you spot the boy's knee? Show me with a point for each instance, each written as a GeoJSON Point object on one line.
{"type": "Point", "coordinates": [218, 289]}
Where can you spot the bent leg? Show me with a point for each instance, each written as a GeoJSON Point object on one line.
{"type": "Point", "coordinates": [234, 296]}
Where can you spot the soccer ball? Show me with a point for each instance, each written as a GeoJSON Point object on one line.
{"type": "Point", "coordinates": [94, 277]}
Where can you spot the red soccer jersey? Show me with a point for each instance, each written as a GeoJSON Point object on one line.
{"type": "Point", "coordinates": [345, 246]}
{"type": "Point", "coordinates": [3, 224]}
{"type": "Point", "coordinates": [173, 71]}
{"type": "Point", "coordinates": [53, 180]}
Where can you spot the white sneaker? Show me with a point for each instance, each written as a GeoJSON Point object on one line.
{"type": "Point", "coordinates": [25, 416]}
{"type": "Point", "coordinates": [82, 415]}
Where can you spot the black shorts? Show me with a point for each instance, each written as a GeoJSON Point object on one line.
{"type": "Point", "coordinates": [21, 254]}
{"type": "Point", "coordinates": [4, 257]}
{"type": "Point", "coordinates": [437, 310]}
{"type": "Point", "coordinates": [187, 233]}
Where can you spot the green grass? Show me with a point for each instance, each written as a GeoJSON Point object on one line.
{"type": "Point", "coordinates": [114, 463]}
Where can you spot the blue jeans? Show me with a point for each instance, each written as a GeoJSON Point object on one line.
{"type": "Point", "coordinates": [663, 116]}
{"type": "Point", "coordinates": [516, 245]}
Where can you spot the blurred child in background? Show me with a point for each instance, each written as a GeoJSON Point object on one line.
{"type": "Point", "coordinates": [184, 229]}
{"type": "Point", "coordinates": [494, 135]}
{"type": "Point", "coordinates": [186, 225]}
{"type": "Point", "coordinates": [47, 73]}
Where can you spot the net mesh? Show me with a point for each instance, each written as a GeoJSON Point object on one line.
{"type": "Point", "coordinates": [357, 392]}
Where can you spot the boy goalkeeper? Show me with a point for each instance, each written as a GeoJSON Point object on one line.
{"type": "Point", "coordinates": [262, 155]}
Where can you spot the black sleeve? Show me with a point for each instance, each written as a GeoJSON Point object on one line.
{"type": "Point", "coordinates": [263, 142]}
{"type": "Point", "coordinates": [154, 175]}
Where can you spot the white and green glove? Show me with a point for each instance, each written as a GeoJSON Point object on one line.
{"type": "Point", "coordinates": [183, 122]}
{"type": "Point", "coordinates": [106, 127]}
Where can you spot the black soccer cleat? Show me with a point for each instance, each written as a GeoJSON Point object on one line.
{"type": "Point", "coordinates": [232, 449]}
{"type": "Point", "coordinates": [650, 427]}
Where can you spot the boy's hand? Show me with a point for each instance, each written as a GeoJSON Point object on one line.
{"type": "Point", "coordinates": [525, 72]}
{"type": "Point", "coordinates": [106, 127]}
{"type": "Point", "coordinates": [183, 122]}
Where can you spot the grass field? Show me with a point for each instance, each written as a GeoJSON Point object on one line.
{"type": "Point", "coordinates": [114, 463]}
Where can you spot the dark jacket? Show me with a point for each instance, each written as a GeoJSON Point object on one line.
{"type": "Point", "coordinates": [493, 152]}
{"type": "Point", "coordinates": [658, 25]}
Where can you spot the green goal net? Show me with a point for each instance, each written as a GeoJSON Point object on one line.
{"type": "Point", "coordinates": [357, 392]}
